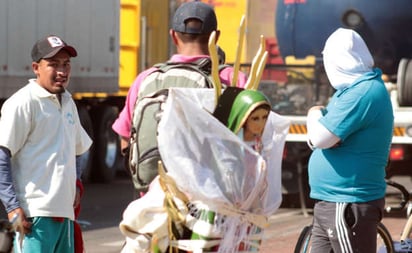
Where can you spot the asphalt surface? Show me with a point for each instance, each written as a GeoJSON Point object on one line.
{"type": "Point", "coordinates": [103, 205]}
{"type": "Point", "coordinates": [101, 213]}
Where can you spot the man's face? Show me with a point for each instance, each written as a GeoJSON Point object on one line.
{"type": "Point", "coordinates": [53, 73]}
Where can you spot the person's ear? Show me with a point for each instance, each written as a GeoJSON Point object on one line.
{"type": "Point", "coordinates": [173, 36]}
{"type": "Point", "coordinates": [35, 67]}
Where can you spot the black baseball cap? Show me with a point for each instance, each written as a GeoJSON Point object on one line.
{"type": "Point", "coordinates": [50, 46]}
{"type": "Point", "coordinates": [195, 10]}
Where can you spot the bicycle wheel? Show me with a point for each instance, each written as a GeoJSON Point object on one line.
{"type": "Point", "coordinates": [304, 243]}
{"type": "Point", "coordinates": [384, 242]}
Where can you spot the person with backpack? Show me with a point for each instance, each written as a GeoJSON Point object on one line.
{"type": "Point", "coordinates": [192, 24]}
{"type": "Point", "coordinates": [218, 195]}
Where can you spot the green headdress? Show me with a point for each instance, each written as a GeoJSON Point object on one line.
{"type": "Point", "coordinates": [245, 103]}
{"type": "Point", "coordinates": [236, 104]}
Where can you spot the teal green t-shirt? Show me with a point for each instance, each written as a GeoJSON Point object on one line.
{"type": "Point", "coordinates": [354, 171]}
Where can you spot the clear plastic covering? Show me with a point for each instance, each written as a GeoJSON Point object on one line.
{"type": "Point", "coordinates": [211, 164]}
{"type": "Point", "coordinates": [219, 175]}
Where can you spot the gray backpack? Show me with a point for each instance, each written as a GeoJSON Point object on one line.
{"type": "Point", "coordinates": [153, 91]}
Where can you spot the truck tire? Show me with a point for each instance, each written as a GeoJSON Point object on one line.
{"type": "Point", "coordinates": [86, 122]}
{"type": "Point", "coordinates": [404, 82]}
{"type": "Point", "coordinates": [106, 143]}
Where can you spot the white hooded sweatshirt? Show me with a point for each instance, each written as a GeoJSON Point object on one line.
{"type": "Point", "coordinates": [346, 57]}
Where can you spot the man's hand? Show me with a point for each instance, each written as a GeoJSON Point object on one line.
{"type": "Point", "coordinates": [23, 225]}
{"type": "Point", "coordinates": [316, 107]}
{"type": "Point", "coordinates": [77, 199]}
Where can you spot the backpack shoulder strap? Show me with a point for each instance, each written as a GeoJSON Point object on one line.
{"type": "Point", "coordinates": [223, 66]}
{"type": "Point", "coordinates": [203, 64]}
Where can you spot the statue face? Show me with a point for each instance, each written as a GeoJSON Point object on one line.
{"type": "Point", "coordinates": [255, 123]}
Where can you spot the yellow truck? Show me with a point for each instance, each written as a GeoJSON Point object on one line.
{"type": "Point", "coordinates": [115, 40]}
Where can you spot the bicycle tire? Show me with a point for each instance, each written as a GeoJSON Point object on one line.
{"type": "Point", "coordinates": [386, 237]}
{"type": "Point", "coordinates": [303, 244]}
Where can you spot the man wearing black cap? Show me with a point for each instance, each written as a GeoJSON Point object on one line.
{"type": "Point", "coordinates": [41, 137]}
{"type": "Point", "coordinates": [192, 24]}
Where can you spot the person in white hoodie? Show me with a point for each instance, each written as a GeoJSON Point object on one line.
{"type": "Point", "coordinates": [350, 138]}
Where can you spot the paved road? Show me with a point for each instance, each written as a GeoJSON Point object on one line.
{"type": "Point", "coordinates": [103, 205]}
{"type": "Point", "coordinates": [102, 208]}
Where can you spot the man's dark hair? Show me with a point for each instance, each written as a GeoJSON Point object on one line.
{"type": "Point", "coordinates": [190, 37]}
